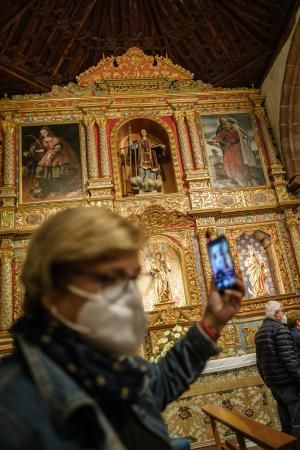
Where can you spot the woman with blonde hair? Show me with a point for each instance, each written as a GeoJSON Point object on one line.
{"type": "Point", "coordinates": [74, 380]}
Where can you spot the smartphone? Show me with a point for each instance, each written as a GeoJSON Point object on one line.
{"type": "Point", "coordinates": [222, 265]}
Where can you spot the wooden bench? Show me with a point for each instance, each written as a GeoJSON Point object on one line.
{"type": "Point", "coordinates": [265, 437]}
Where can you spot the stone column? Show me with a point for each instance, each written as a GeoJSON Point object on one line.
{"type": "Point", "coordinates": [183, 141]}
{"type": "Point", "coordinates": [93, 170]}
{"type": "Point", "coordinates": [103, 147]}
{"type": "Point", "coordinates": [292, 225]}
{"type": "Point", "coordinates": [194, 137]}
{"type": "Point", "coordinates": [9, 176]}
{"type": "Point", "coordinates": [6, 291]}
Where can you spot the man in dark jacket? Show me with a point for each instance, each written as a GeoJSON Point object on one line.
{"type": "Point", "coordinates": [293, 324]}
{"type": "Point", "coordinates": [278, 366]}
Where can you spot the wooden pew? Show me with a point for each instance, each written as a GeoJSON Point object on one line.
{"type": "Point", "coordinates": [265, 437]}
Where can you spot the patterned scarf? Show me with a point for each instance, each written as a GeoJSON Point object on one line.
{"type": "Point", "coordinates": [111, 381]}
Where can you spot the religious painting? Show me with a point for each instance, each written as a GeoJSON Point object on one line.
{"type": "Point", "coordinates": [232, 151]}
{"type": "Point", "coordinates": [258, 265]}
{"type": "Point", "coordinates": [51, 162]}
{"type": "Point", "coordinates": [163, 262]}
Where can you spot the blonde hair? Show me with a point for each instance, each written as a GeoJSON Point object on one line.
{"type": "Point", "coordinates": [68, 239]}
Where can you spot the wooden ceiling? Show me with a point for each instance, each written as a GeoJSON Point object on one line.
{"type": "Point", "coordinates": [228, 43]}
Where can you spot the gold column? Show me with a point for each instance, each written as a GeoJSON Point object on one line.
{"type": "Point", "coordinates": [292, 225]}
{"type": "Point", "coordinates": [104, 157]}
{"type": "Point", "coordinates": [275, 269]}
{"type": "Point", "coordinates": [93, 170]}
{"type": "Point", "coordinates": [9, 176]}
{"type": "Point", "coordinates": [194, 136]}
{"type": "Point", "coordinates": [6, 308]}
{"type": "Point", "coordinates": [261, 116]}
{"type": "Point", "coordinates": [183, 141]}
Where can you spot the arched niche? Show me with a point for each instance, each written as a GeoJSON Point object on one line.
{"type": "Point", "coordinates": [259, 265]}
{"type": "Point", "coordinates": [126, 165]}
{"type": "Point", "coordinates": [163, 259]}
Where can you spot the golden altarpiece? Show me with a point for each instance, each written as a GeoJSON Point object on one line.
{"type": "Point", "coordinates": [139, 135]}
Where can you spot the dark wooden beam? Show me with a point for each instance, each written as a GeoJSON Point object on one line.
{"type": "Point", "coordinates": [86, 14]}
{"type": "Point", "coordinates": [24, 76]}
{"type": "Point", "coordinates": [231, 73]}
{"type": "Point", "coordinates": [234, 18]}
{"type": "Point", "coordinates": [15, 19]}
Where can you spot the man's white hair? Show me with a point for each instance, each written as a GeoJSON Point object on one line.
{"type": "Point", "coordinates": [271, 307]}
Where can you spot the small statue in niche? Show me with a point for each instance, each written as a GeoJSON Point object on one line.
{"type": "Point", "coordinates": [257, 274]}
{"type": "Point", "coordinates": [145, 156]}
{"type": "Point", "coordinates": [160, 271]}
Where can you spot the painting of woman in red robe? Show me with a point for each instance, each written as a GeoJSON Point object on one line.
{"type": "Point", "coordinates": [239, 163]}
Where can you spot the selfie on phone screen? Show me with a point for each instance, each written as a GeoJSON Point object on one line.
{"type": "Point", "coordinates": [221, 263]}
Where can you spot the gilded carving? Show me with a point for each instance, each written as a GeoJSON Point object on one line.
{"type": "Point", "coordinates": [281, 261]}
{"type": "Point", "coordinates": [157, 221]}
{"type": "Point", "coordinates": [293, 224]}
{"type": "Point", "coordinates": [31, 217]}
{"type": "Point", "coordinates": [157, 218]}
{"type": "Point", "coordinates": [71, 90]}
{"type": "Point", "coordinates": [183, 140]}
{"type": "Point", "coordinates": [6, 219]}
{"type": "Point", "coordinates": [104, 156]}
{"type": "Point", "coordinates": [6, 289]}
{"type": "Point", "coordinates": [234, 219]}
{"type": "Point", "coordinates": [107, 93]}
{"type": "Point", "coordinates": [134, 65]}
{"type": "Point", "coordinates": [290, 239]}
{"type": "Point", "coordinates": [18, 291]}
{"type": "Point", "coordinates": [209, 199]}
{"type": "Point", "coordinates": [131, 206]}
{"type": "Point", "coordinates": [9, 151]}
{"type": "Point", "coordinates": [195, 140]}
{"type": "Point", "coordinates": [283, 268]}
{"type": "Point", "coordinates": [164, 317]}
{"type": "Point", "coordinates": [115, 157]}
{"type": "Point", "coordinates": [115, 87]}
{"type": "Point", "coordinates": [93, 171]}
{"type": "Point", "coordinates": [249, 334]}
{"type": "Point", "coordinates": [288, 301]}
{"type": "Point", "coordinates": [227, 341]}
{"type": "Point", "coordinates": [260, 114]}
{"type": "Point", "coordinates": [282, 193]}
{"type": "Point", "coordinates": [204, 253]}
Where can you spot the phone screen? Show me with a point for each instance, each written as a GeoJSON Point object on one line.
{"type": "Point", "coordinates": [221, 264]}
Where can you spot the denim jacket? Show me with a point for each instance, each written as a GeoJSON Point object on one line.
{"type": "Point", "coordinates": [43, 408]}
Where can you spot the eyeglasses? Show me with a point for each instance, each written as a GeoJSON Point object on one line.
{"type": "Point", "coordinates": [120, 281]}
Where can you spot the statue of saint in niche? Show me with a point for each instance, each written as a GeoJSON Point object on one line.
{"type": "Point", "coordinates": [143, 158]}
{"type": "Point", "coordinates": [257, 274]}
{"type": "Point", "coordinates": [159, 270]}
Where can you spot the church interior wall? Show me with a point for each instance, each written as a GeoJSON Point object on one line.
{"type": "Point", "coordinates": [281, 89]}
{"type": "Point", "coordinates": [272, 85]}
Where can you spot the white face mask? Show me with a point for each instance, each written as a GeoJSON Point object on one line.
{"type": "Point", "coordinates": [284, 319]}
{"type": "Point", "coordinates": [113, 320]}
